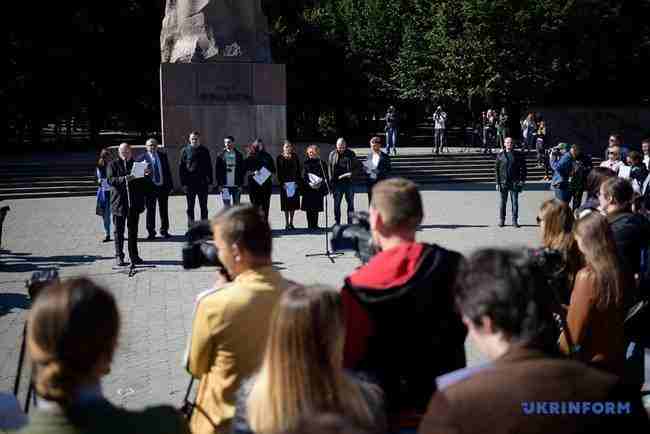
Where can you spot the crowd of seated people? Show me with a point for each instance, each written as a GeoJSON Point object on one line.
{"type": "Point", "coordinates": [386, 352]}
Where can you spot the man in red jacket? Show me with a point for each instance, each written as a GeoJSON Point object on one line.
{"type": "Point", "coordinates": [403, 330]}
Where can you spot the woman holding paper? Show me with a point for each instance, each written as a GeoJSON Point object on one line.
{"type": "Point", "coordinates": [313, 177]}
{"type": "Point", "coordinates": [377, 165]}
{"type": "Point", "coordinates": [261, 167]}
{"type": "Point", "coordinates": [289, 176]}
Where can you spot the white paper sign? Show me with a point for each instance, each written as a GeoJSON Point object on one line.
{"type": "Point", "coordinates": [225, 194]}
{"type": "Point", "coordinates": [314, 180]}
{"type": "Point", "coordinates": [138, 169]}
{"type": "Point", "coordinates": [290, 187]}
{"type": "Point", "coordinates": [262, 175]}
{"type": "Point", "coordinates": [624, 172]}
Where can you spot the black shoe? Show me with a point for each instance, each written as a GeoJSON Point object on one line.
{"type": "Point", "coordinates": [106, 239]}
{"type": "Point", "coordinates": [516, 225]}
{"type": "Point", "coordinates": [151, 237]}
{"type": "Point", "coordinates": [291, 226]}
{"type": "Point", "coordinates": [165, 235]}
{"type": "Point", "coordinates": [501, 224]}
{"type": "Point", "coordinates": [137, 260]}
{"type": "Point", "coordinates": [119, 261]}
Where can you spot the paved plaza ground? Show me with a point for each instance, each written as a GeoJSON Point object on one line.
{"type": "Point", "coordinates": [156, 304]}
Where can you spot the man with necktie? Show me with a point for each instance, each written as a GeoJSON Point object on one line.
{"type": "Point", "coordinates": [127, 202]}
{"type": "Point", "coordinates": [159, 185]}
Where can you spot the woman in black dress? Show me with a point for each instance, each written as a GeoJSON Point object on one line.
{"type": "Point", "coordinates": [314, 191]}
{"type": "Point", "coordinates": [289, 177]}
{"type": "Point", "coordinates": [377, 165]}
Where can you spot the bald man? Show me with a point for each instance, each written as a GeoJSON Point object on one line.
{"type": "Point", "coordinates": [127, 202]}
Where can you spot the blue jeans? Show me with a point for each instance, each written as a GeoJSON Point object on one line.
{"type": "Point", "coordinates": [562, 194]}
{"type": "Point", "coordinates": [107, 215]}
{"type": "Point", "coordinates": [391, 139]}
{"type": "Point", "coordinates": [235, 195]}
{"type": "Point", "coordinates": [514, 202]}
{"type": "Point", "coordinates": [340, 190]}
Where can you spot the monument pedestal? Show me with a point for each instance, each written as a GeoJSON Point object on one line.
{"type": "Point", "coordinates": [240, 99]}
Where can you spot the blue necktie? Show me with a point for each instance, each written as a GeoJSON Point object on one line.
{"type": "Point", "coordinates": [156, 171]}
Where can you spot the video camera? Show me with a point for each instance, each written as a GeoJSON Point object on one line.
{"type": "Point", "coordinates": [355, 236]}
{"type": "Point", "coordinates": [199, 249]}
{"type": "Point", "coordinates": [39, 280]}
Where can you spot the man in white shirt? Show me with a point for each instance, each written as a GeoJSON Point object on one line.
{"type": "Point", "coordinates": [440, 130]}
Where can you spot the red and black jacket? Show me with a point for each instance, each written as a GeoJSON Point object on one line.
{"type": "Point", "coordinates": [402, 326]}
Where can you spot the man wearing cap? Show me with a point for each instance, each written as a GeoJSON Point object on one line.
{"type": "Point", "coordinates": [562, 167]}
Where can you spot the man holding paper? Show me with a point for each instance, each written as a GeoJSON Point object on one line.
{"type": "Point", "coordinates": [229, 171]}
{"type": "Point", "coordinates": [342, 164]}
{"type": "Point", "coordinates": [261, 167]}
{"type": "Point", "coordinates": [126, 179]}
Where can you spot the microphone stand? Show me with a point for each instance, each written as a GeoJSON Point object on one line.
{"type": "Point", "coordinates": [327, 253]}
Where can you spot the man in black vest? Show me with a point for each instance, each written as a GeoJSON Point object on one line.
{"type": "Point", "coordinates": [127, 202]}
{"type": "Point", "coordinates": [195, 169]}
{"type": "Point", "coordinates": [159, 185]}
{"type": "Point", "coordinates": [510, 178]}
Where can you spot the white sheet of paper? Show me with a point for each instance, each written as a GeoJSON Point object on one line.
{"type": "Point", "coordinates": [138, 169]}
{"type": "Point", "coordinates": [262, 175]}
{"type": "Point", "coordinates": [624, 172]}
{"type": "Point", "coordinates": [225, 194]}
{"type": "Point", "coordinates": [290, 187]}
{"type": "Point", "coordinates": [314, 179]}
{"type": "Point", "coordinates": [11, 415]}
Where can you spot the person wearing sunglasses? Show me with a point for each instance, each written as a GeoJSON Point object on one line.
{"type": "Point", "coordinates": [613, 161]}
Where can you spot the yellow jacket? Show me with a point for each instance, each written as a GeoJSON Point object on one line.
{"type": "Point", "coordinates": [227, 343]}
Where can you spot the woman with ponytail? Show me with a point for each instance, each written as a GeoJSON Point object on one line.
{"type": "Point", "coordinates": [71, 338]}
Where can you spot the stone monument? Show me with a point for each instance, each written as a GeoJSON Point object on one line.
{"type": "Point", "coordinates": [216, 76]}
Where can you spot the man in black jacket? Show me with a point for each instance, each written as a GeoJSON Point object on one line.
{"type": "Point", "coordinates": [342, 165]}
{"type": "Point", "coordinates": [229, 170]}
{"type": "Point", "coordinates": [402, 328]}
{"type": "Point", "coordinates": [159, 184]}
{"type": "Point", "coordinates": [510, 177]}
{"type": "Point", "coordinates": [196, 176]}
{"type": "Point", "coordinates": [257, 160]}
{"type": "Point", "coordinates": [127, 202]}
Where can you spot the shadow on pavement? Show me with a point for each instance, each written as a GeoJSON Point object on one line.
{"type": "Point", "coordinates": [10, 301]}
{"type": "Point", "coordinates": [451, 226]}
{"type": "Point", "coordinates": [25, 262]}
{"type": "Point", "coordinates": [479, 186]}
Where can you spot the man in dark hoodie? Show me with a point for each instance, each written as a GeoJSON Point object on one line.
{"type": "Point", "coordinates": [403, 330]}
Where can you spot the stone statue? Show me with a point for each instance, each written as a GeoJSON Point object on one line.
{"type": "Point", "coordinates": [195, 31]}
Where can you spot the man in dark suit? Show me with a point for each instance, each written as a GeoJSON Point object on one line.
{"type": "Point", "coordinates": [504, 299]}
{"type": "Point", "coordinates": [159, 184]}
{"type": "Point", "coordinates": [127, 202]}
{"type": "Point", "coordinates": [510, 177]}
{"type": "Point", "coordinates": [196, 176]}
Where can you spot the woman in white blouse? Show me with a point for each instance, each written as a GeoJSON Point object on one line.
{"type": "Point", "coordinates": [377, 165]}
{"type": "Point", "coordinates": [613, 161]}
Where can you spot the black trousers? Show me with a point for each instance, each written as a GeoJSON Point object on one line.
{"type": "Point", "coordinates": [312, 219]}
{"type": "Point", "coordinates": [514, 199]}
{"type": "Point", "coordinates": [341, 190]}
{"type": "Point", "coordinates": [261, 198]}
{"type": "Point", "coordinates": [161, 196]}
{"type": "Point", "coordinates": [191, 195]}
{"type": "Point", "coordinates": [130, 221]}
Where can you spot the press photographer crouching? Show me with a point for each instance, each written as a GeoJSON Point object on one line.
{"type": "Point", "coordinates": [402, 328]}
{"type": "Point", "coordinates": [231, 320]}
{"type": "Point", "coordinates": [72, 335]}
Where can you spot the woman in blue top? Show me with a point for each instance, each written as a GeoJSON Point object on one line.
{"type": "Point", "coordinates": [103, 207]}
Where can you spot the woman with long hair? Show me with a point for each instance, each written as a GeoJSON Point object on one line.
{"type": "Point", "coordinates": [256, 161]}
{"type": "Point", "coordinates": [314, 180]}
{"type": "Point", "coordinates": [555, 221]}
{"type": "Point", "coordinates": [302, 370]}
{"type": "Point", "coordinates": [103, 205]}
{"type": "Point", "coordinates": [594, 322]}
{"type": "Point", "coordinates": [288, 166]}
{"type": "Point", "coordinates": [597, 176]}
{"type": "Point", "coordinates": [72, 334]}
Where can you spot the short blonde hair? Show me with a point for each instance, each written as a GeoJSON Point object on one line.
{"type": "Point", "coordinates": [314, 147]}
{"type": "Point", "coordinates": [399, 202]}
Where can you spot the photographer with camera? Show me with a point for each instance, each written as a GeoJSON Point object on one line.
{"type": "Point", "coordinates": [402, 328]}
{"type": "Point", "coordinates": [231, 320]}
{"type": "Point", "coordinates": [562, 160]}
{"type": "Point", "coordinates": [439, 130]}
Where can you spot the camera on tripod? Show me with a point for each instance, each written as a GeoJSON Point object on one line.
{"type": "Point", "coordinates": [199, 249]}
{"type": "Point", "coordinates": [355, 236]}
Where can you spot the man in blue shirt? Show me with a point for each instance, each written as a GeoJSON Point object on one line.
{"type": "Point", "coordinates": [562, 170]}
